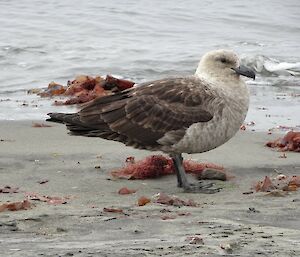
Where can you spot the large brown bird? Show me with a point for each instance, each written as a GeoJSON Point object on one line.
{"type": "Point", "coordinates": [192, 114]}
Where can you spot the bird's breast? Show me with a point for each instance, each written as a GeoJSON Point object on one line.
{"type": "Point", "coordinates": [204, 136]}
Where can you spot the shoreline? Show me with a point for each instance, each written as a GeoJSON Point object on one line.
{"type": "Point", "coordinates": [81, 227]}
{"type": "Point", "coordinates": [234, 153]}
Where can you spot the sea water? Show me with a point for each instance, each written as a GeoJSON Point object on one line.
{"type": "Point", "coordinates": [43, 41]}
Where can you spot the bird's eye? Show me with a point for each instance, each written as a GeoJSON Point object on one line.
{"type": "Point", "coordinates": [223, 60]}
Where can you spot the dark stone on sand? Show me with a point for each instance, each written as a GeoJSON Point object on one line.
{"type": "Point", "coordinates": [212, 174]}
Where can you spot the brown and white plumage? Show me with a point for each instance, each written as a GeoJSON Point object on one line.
{"type": "Point", "coordinates": [176, 115]}
{"type": "Point", "coordinates": [143, 115]}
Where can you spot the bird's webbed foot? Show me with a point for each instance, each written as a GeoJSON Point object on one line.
{"type": "Point", "coordinates": [201, 187]}
{"type": "Point", "coordinates": [182, 180]}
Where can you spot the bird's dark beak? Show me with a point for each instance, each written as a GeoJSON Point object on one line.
{"type": "Point", "coordinates": [244, 71]}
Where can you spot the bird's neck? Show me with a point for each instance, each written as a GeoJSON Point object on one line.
{"type": "Point", "coordinates": [232, 84]}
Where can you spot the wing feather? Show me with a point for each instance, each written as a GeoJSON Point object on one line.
{"type": "Point", "coordinates": [141, 116]}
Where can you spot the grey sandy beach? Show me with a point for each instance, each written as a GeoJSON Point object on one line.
{"type": "Point", "coordinates": [229, 222]}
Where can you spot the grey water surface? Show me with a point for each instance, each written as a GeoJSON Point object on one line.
{"type": "Point", "coordinates": [43, 41]}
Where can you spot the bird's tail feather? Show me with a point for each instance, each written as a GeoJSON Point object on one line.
{"type": "Point", "coordinates": [74, 124]}
{"type": "Point", "coordinates": [63, 117]}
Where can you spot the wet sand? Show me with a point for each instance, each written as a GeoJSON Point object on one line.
{"type": "Point", "coordinates": [271, 227]}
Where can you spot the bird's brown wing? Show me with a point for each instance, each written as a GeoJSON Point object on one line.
{"type": "Point", "coordinates": [143, 115]}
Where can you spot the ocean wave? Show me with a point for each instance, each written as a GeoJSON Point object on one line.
{"type": "Point", "coordinates": [15, 50]}
{"type": "Point", "coordinates": [270, 66]}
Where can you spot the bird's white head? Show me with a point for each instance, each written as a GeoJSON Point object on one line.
{"type": "Point", "coordinates": [222, 65]}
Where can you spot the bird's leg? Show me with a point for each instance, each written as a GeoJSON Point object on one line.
{"type": "Point", "coordinates": [177, 160]}
{"type": "Point", "coordinates": [183, 180]}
